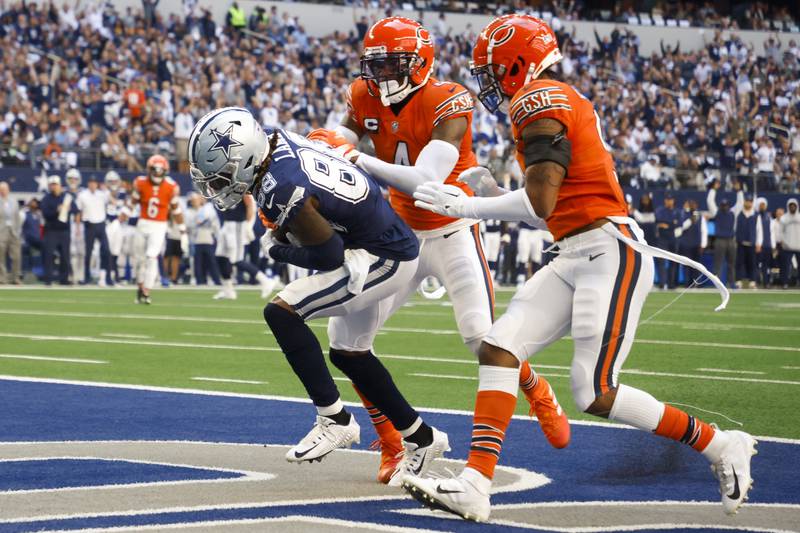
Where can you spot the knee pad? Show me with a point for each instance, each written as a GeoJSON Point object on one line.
{"type": "Point", "coordinates": [473, 327]}
{"type": "Point", "coordinates": [582, 383]}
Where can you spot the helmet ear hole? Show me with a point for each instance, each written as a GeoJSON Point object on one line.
{"type": "Point", "coordinates": [514, 70]}
{"type": "Point", "coordinates": [249, 162]}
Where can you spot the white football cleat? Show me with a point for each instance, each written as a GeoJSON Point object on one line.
{"type": "Point", "coordinates": [733, 470]}
{"type": "Point", "coordinates": [225, 294]}
{"type": "Point", "coordinates": [417, 459]}
{"type": "Point", "coordinates": [460, 495]}
{"type": "Point", "coordinates": [324, 437]}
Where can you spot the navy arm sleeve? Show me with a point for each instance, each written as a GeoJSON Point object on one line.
{"type": "Point", "coordinates": [326, 256]}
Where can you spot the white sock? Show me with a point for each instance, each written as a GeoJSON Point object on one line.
{"type": "Point", "coordinates": [329, 410]}
{"type": "Point", "coordinates": [150, 272]}
{"type": "Point", "coordinates": [636, 408]}
{"type": "Point", "coordinates": [716, 446]}
{"type": "Point", "coordinates": [410, 430]}
{"type": "Point", "coordinates": [476, 479]}
{"type": "Point", "coordinates": [498, 378]}
{"type": "Point", "coordinates": [262, 278]}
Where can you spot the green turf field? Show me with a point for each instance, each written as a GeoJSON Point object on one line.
{"type": "Point", "coordinates": [743, 362]}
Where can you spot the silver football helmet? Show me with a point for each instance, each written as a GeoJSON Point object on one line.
{"type": "Point", "coordinates": [73, 179]}
{"type": "Point", "coordinates": [225, 149]}
{"type": "Point", "coordinates": [112, 180]}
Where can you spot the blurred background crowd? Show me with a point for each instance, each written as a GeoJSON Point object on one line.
{"type": "Point", "coordinates": [86, 84]}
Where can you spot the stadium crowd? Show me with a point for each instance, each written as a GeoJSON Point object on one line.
{"type": "Point", "coordinates": [90, 86]}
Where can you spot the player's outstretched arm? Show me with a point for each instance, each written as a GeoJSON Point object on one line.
{"type": "Point", "coordinates": [320, 248]}
{"type": "Point", "coordinates": [435, 162]}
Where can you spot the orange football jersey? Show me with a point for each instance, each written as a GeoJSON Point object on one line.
{"type": "Point", "coordinates": [399, 138]}
{"type": "Point", "coordinates": [155, 200]}
{"type": "Point", "coordinates": [590, 190]}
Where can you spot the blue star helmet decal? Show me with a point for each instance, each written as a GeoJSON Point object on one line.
{"type": "Point", "coordinates": [223, 141]}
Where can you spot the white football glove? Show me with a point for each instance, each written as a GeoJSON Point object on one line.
{"type": "Point", "coordinates": [248, 235]}
{"type": "Point", "coordinates": [267, 242]}
{"type": "Point", "coordinates": [678, 232]}
{"type": "Point", "coordinates": [481, 181]}
{"type": "Point", "coordinates": [447, 200]}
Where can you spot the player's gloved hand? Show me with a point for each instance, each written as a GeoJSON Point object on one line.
{"type": "Point", "coordinates": [330, 137]}
{"type": "Point", "coordinates": [678, 232]}
{"type": "Point", "coordinates": [268, 240]}
{"type": "Point", "coordinates": [481, 181]}
{"type": "Point", "coordinates": [447, 200]}
{"type": "Point", "coordinates": [248, 234]}
{"type": "Point", "coordinates": [349, 152]}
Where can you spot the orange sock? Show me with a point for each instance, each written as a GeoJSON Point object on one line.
{"type": "Point", "coordinates": [528, 379]}
{"type": "Point", "coordinates": [383, 426]}
{"type": "Point", "coordinates": [678, 425]}
{"type": "Point", "coordinates": [493, 411]}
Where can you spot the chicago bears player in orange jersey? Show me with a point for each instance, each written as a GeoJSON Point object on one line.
{"type": "Point", "coordinates": [156, 194]}
{"type": "Point", "coordinates": [595, 287]}
{"type": "Point", "coordinates": [421, 129]}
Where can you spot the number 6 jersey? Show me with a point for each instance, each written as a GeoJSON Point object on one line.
{"type": "Point", "coordinates": [349, 199]}
{"type": "Point", "coordinates": [155, 200]}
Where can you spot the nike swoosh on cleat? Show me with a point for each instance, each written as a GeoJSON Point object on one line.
{"type": "Point", "coordinates": [419, 469]}
{"type": "Point", "coordinates": [300, 455]}
{"type": "Point", "coordinates": [440, 490]}
{"type": "Point", "coordinates": [735, 494]}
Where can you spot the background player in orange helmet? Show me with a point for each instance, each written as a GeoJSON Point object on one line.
{"type": "Point", "coordinates": [421, 129]}
{"type": "Point", "coordinates": [595, 287]}
{"type": "Point", "coordinates": [157, 196]}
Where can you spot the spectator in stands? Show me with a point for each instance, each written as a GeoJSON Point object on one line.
{"type": "Point", "coordinates": [668, 219]}
{"type": "Point", "coordinates": [236, 17]}
{"type": "Point", "coordinates": [57, 207]}
{"type": "Point", "coordinates": [651, 175]}
{"type": "Point", "coordinates": [184, 122]}
{"type": "Point", "coordinates": [765, 247]}
{"type": "Point", "coordinates": [10, 232]}
{"type": "Point", "coordinates": [790, 245]}
{"type": "Point", "coordinates": [765, 156]}
{"type": "Point", "coordinates": [749, 233]}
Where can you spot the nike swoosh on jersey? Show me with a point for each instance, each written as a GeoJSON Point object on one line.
{"type": "Point", "coordinates": [269, 205]}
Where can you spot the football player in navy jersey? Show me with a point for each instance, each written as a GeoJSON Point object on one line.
{"type": "Point", "coordinates": [327, 215]}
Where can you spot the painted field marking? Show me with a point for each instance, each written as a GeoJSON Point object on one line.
{"type": "Point", "coordinates": [388, 356]}
{"type": "Point", "coordinates": [55, 359]}
{"type": "Point", "coordinates": [725, 371]}
{"type": "Point", "coordinates": [125, 336]}
{"type": "Point", "coordinates": [385, 329]}
{"type": "Point", "coordinates": [226, 380]}
{"type": "Point", "coordinates": [220, 335]}
{"type": "Point", "coordinates": [791, 367]}
{"type": "Point", "coordinates": [253, 396]}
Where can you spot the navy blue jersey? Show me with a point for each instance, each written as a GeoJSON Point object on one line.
{"type": "Point", "coordinates": [349, 198]}
{"type": "Point", "coordinates": [235, 214]}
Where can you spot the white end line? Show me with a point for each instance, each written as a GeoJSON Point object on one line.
{"type": "Point", "coordinates": [225, 380]}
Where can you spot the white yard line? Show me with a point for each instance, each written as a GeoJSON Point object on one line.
{"type": "Point", "coordinates": [322, 325]}
{"type": "Point", "coordinates": [791, 367]}
{"type": "Point", "coordinates": [725, 371]}
{"type": "Point", "coordinates": [472, 378]}
{"type": "Point", "coordinates": [220, 335]}
{"type": "Point", "coordinates": [56, 359]}
{"type": "Point", "coordinates": [126, 336]}
{"type": "Point", "coordinates": [226, 380]}
{"type": "Point", "coordinates": [388, 356]}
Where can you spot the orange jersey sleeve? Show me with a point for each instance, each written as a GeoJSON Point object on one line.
{"type": "Point", "coordinates": [155, 200]}
{"type": "Point", "coordinates": [590, 190]}
{"type": "Point", "coordinates": [399, 136]}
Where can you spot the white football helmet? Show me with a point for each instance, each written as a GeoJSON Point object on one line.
{"type": "Point", "coordinates": [73, 179]}
{"type": "Point", "coordinates": [226, 148]}
{"type": "Point", "coordinates": [112, 180]}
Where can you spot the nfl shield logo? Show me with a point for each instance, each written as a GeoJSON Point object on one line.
{"type": "Point", "coordinates": [395, 126]}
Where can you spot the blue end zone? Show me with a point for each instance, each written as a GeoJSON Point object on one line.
{"type": "Point", "coordinates": [63, 473]}
{"type": "Point", "coordinates": [600, 464]}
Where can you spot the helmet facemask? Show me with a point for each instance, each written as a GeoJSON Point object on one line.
{"type": "Point", "coordinates": [392, 74]}
{"type": "Point", "coordinates": [156, 174]}
{"type": "Point", "coordinates": [490, 91]}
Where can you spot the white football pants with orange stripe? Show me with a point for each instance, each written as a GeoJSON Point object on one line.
{"type": "Point", "coordinates": [456, 258]}
{"type": "Point", "coordinates": [595, 289]}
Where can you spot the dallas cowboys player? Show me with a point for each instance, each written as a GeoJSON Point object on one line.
{"type": "Point", "coordinates": [344, 229]}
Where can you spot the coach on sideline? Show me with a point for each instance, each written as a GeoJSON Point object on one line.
{"type": "Point", "coordinates": [92, 203]}
{"type": "Point", "coordinates": [57, 206]}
